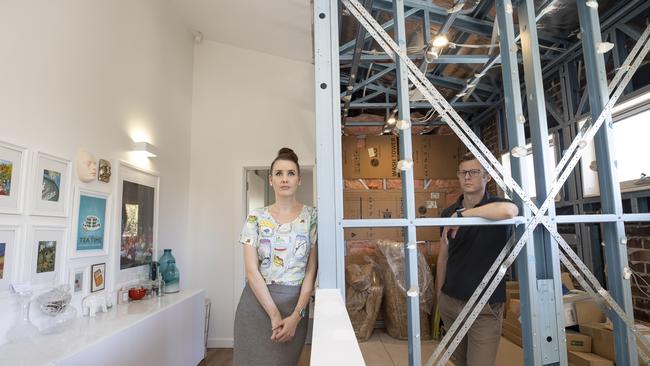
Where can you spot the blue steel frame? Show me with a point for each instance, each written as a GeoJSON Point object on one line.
{"type": "Point", "coordinates": [538, 267]}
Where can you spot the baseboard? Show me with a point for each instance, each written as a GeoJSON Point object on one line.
{"type": "Point", "coordinates": [220, 342]}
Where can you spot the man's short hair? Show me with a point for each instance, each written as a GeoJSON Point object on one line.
{"type": "Point", "coordinates": [467, 157]}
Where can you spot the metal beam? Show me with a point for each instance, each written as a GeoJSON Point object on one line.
{"type": "Point", "coordinates": [387, 26]}
{"type": "Point", "coordinates": [461, 105]}
{"type": "Point", "coordinates": [361, 31]}
{"type": "Point", "coordinates": [550, 318]}
{"type": "Point", "coordinates": [408, 194]}
{"type": "Point", "coordinates": [613, 233]}
{"type": "Point", "coordinates": [443, 59]}
{"type": "Point", "coordinates": [329, 177]}
{"type": "Point", "coordinates": [526, 270]}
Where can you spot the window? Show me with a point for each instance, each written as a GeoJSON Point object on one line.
{"type": "Point", "coordinates": [529, 184]}
{"type": "Point", "coordinates": [631, 150]}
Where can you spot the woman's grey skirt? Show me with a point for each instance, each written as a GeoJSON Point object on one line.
{"type": "Point", "coordinates": [253, 344]}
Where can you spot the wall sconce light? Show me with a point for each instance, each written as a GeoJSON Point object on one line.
{"type": "Point", "coordinates": [145, 148]}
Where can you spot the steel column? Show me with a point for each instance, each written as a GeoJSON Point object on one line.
{"type": "Point", "coordinates": [551, 317]}
{"type": "Point", "coordinates": [408, 193]}
{"type": "Point", "coordinates": [526, 270]}
{"type": "Point", "coordinates": [614, 233]}
{"type": "Point", "coordinates": [328, 146]}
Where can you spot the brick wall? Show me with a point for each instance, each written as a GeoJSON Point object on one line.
{"type": "Point", "coordinates": [638, 243]}
{"type": "Point", "coordinates": [489, 136]}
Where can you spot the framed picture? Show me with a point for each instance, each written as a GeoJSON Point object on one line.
{"type": "Point", "coordinates": [97, 277]}
{"type": "Point", "coordinates": [12, 165]}
{"type": "Point", "coordinates": [50, 186]}
{"type": "Point", "coordinates": [138, 190]}
{"type": "Point", "coordinates": [8, 250]}
{"type": "Point", "coordinates": [79, 281]}
{"type": "Point", "coordinates": [46, 246]}
{"type": "Point", "coordinates": [92, 213]}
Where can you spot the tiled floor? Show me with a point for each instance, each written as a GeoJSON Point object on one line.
{"type": "Point", "coordinates": [383, 350]}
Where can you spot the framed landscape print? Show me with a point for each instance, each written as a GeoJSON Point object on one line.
{"type": "Point", "coordinates": [51, 184]}
{"type": "Point", "coordinates": [46, 245]}
{"type": "Point", "coordinates": [91, 225]}
{"type": "Point", "coordinates": [97, 277]}
{"type": "Point", "coordinates": [8, 246]}
{"type": "Point", "coordinates": [12, 165]}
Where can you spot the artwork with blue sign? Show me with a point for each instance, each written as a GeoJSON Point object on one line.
{"type": "Point", "coordinates": [90, 226]}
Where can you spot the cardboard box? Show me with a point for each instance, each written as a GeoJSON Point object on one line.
{"type": "Point", "coordinates": [436, 156]}
{"type": "Point", "coordinates": [374, 204]}
{"type": "Point", "coordinates": [585, 309]}
{"type": "Point", "coordinates": [578, 342]}
{"type": "Point", "coordinates": [602, 339]}
{"type": "Point", "coordinates": [588, 359]}
{"type": "Point", "coordinates": [512, 337]}
{"type": "Point", "coordinates": [567, 281]}
{"type": "Point", "coordinates": [514, 310]}
{"type": "Point", "coordinates": [370, 157]}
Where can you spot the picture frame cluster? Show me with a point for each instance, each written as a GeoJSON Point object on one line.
{"type": "Point", "coordinates": [62, 227]}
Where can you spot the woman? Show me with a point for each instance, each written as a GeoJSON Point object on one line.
{"type": "Point", "coordinates": [280, 257]}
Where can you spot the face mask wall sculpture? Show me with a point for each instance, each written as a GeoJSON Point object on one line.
{"type": "Point", "coordinates": [86, 166]}
{"type": "Point", "coordinates": [104, 171]}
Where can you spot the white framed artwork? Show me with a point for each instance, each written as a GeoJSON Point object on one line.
{"type": "Point", "coordinates": [137, 221]}
{"type": "Point", "coordinates": [13, 160]}
{"type": "Point", "coordinates": [90, 224]}
{"type": "Point", "coordinates": [50, 185]}
{"type": "Point", "coordinates": [78, 281]}
{"type": "Point", "coordinates": [8, 255]}
{"type": "Point", "coordinates": [46, 245]}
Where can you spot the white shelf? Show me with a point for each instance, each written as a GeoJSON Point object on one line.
{"type": "Point", "coordinates": [159, 331]}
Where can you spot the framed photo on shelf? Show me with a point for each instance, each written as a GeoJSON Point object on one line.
{"type": "Point", "coordinates": [97, 277]}
{"type": "Point", "coordinates": [92, 219]}
{"type": "Point", "coordinates": [79, 280]}
{"type": "Point", "coordinates": [12, 165]}
{"type": "Point", "coordinates": [8, 250]}
{"type": "Point", "coordinates": [50, 186]}
{"type": "Point", "coordinates": [46, 245]}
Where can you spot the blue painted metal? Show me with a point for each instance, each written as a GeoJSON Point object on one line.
{"type": "Point", "coordinates": [361, 31]}
{"type": "Point", "coordinates": [526, 270]}
{"type": "Point", "coordinates": [369, 97]}
{"type": "Point", "coordinates": [551, 322]}
{"type": "Point", "coordinates": [443, 59]}
{"type": "Point", "coordinates": [408, 194]}
{"type": "Point", "coordinates": [387, 26]}
{"type": "Point", "coordinates": [329, 176]}
{"type": "Point", "coordinates": [613, 233]}
{"type": "Point", "coordinates": [369, 80]}
{"type": "Point", "coordinates": [460, 105]}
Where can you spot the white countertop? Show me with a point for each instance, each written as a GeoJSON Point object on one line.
{"type": "Point", "coordinates": [86, 331]}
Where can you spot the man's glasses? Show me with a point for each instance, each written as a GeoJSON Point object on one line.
{"type": "Point", "coordinates": [473, 173]}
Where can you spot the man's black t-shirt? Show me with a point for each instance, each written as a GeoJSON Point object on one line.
{"type": "Point", "coordinates": [472, 253]}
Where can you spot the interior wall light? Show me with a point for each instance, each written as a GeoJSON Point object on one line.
{"type": "Point", "coordinates": [592, 4]}
{"type": "Point", "coordinates": [145, 148]}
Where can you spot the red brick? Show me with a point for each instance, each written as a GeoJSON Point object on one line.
{"type": "Point", "coordinates": [639, 230]}
{"type": "Point", "coordinates": [640, 314]}
{"type": "Point", "coordinates": [640, 256]}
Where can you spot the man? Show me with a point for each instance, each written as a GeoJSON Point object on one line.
{"type": "Point", "coordinates": [466, 254]}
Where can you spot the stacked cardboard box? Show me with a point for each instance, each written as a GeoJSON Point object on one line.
{"type": "Point", "coordinates": [372, 204]}
{"type": "Point", "coordinates": [434, 156]}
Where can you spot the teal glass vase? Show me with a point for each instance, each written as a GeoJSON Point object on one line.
{"type": "Point", "coordinates": [169, 272]}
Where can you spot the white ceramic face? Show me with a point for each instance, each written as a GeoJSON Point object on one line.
{"type": "Point", "coordinates": [86, 165]}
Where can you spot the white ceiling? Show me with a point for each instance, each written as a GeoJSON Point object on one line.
{"type": "Point", "coordinates": [277, 27]}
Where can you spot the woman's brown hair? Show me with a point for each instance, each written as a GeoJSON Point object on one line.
{"type": "Point", "coordinates": [286, 153]}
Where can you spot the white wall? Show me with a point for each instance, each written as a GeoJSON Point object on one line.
{"type": "Point", "coordinates": [94, 75]}
{"type": "Point", "coordinates": [245, 106]}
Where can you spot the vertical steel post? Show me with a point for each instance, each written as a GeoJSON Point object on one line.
{"type": "Point", "coordinates": [610, 193]}
{"type": "Point", "coordinates": [329, 178]}
{"type": "Point", "coordinates": [408, 192]}
{"type": "Point", "coordinates": [526, 271]}
{"type": "Point", "coordinates": [551, 334]}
